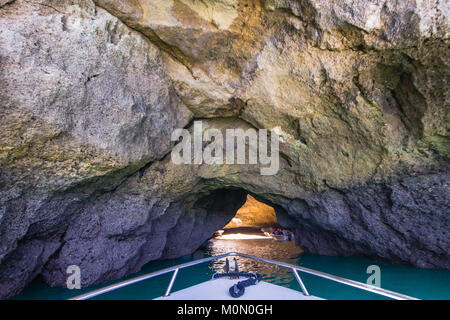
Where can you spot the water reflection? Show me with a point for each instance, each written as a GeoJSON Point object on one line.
{"type": "Point", "coordinates": [264, 248]}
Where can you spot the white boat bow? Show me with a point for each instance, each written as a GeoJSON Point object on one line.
{"type": "Point", "coordinates": [217, 289]}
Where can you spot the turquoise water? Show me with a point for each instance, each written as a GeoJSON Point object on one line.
{"type": "Point", "coordinates": [420, 283]}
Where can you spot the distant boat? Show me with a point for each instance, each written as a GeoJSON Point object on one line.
{"type": "Point", "coordinates": [280, 237]}
{"type": "Point", "coordinates": [241, 285]}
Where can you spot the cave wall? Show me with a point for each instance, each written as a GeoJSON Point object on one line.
{"type": "Point", "coordinates": [401, 221]}
{"type": "Point", "coordinates": [92, 90]}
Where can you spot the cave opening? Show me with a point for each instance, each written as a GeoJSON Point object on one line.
{"type": "Point", "coordinates": [238, 221]}
{"type": "Point", "coordinates": [253, 220]}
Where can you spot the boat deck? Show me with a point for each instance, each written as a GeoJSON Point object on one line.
{"type": "Point", "coordinates": [217, 289]}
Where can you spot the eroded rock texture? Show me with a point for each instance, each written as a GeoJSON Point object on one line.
{"type": "Point", "coordinates": [92, 90]}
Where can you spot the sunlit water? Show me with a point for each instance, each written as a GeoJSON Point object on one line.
{"type": "Point", "coordinates": [420, 283]}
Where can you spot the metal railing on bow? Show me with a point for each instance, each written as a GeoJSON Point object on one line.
{"type": "Point", "coordinates": [295, 269]}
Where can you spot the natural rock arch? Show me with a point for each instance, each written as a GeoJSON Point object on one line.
{"type": "Point", "coordinates": [91, 92]}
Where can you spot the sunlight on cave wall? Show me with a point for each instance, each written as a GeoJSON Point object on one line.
{"type": "Point", "coordinates": [253, 214]}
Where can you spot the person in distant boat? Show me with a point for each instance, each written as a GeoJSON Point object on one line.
{"type": "Point", "coordinates": [287, 234]}
{"type": "Point", "coordinates": [278, 232]}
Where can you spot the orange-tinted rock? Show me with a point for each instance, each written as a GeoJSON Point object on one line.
{"type": "Point", "coordinates": [253, 214]}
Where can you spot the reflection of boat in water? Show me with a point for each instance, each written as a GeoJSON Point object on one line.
{"type": "Point", "coordinates": [241, 285]}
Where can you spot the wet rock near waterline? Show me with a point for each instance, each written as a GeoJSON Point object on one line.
{"type": "Point", "coordinates": [405, 221]}
{"type": "Point", "coordinates": [110, 250]}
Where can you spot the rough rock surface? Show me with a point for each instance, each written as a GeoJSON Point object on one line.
{"type": "Point", "coordinates": [85, 102]}
{"type": "Point", "coordinates": [92, 90]}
